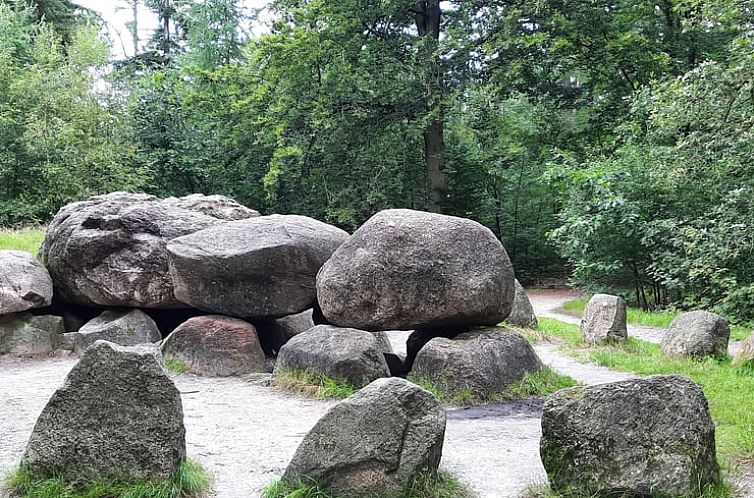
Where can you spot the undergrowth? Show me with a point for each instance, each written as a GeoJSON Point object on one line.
{"type": "Point", "coordinates": [190, 481]}
{"type": "Point", "coordinates": [313, 385]}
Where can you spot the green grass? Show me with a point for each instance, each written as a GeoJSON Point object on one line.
{"type": "Point", "coordinates": [537, 384]}
{"type": "Point", "coordinates": [176, 366]}
{"type": "Point", "coordinates": [729, 390]}
{"type": "Point", "coordinates": [443, 485]}
{"type": "Point", "coordinates": [190, 481]}
{"type": "Point", "coordinates": [660, 319]}
{"type": "Point", "coordinates": [23, 239]}
{"type": "Point", "coordinates": [719, 491]}
{"type": "Point", "coordinates": [312, 385]}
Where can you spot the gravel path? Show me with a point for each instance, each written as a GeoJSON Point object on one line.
{"type": "Point", "coordinates": [246, 433]}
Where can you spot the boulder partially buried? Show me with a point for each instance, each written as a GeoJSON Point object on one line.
{"type": "Point", "coordinates": [405, 270]}
{"type": "Point", "coordinates": [24, 283]}
{"type": "Point", "coordinates": [118, 414]}
{"type": "Point", "coordinates": [374, 443]}
{"type": "Point", "coordinates": [604, 320]}
{"type": "Point", "coordinates": [262, 267]}
{"type": "Point", "coordinates": [697, 334]}
{"type": "Point", "coordinates": [479, 364]}
{"type": "Point", "coordinates": [522, 313]}
{"type": "Point", "coordinates": [111, 250]}
{"type": "Point", "coordinates": [25, 334]}
{"type": "Point", "coordinates": [217, 206]}
{"type": "Point", "coordinates": [215, 346]}
{"type": "Point", "coordinates": [355, 356]}
{"type": "Point", "coordinates": [640, 437]}
{"type": "Point", "coordinates": [126, 328]}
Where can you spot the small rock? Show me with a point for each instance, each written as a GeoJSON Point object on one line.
{"type": "Point", "coordinates": [697, 334]}
{"type": "Point", "coordinates": [216, 346]}
{"type": "Point", "coordinates": [355, 356]}
{"type": "Point", "coordinates": [24, 283]}
{"type": "Point", "coordinates": [604, 320]}
{"type": "Point", "coordinates": [374, 443]}
{"type": "Point", "coordinates": [745, 355]}
{"type": "Point", "coordinates": [522, 314]}
{"type": "Point", "coordinates": [28, 335]}
{"type": "Point", "coordinates": [118, 414]}
{"type": "Point", "coordinates": [482, 363]}
{"type": "Point", "coordinates": [126, 328]}
{"type": "Point", "coordinates": [638, 437]}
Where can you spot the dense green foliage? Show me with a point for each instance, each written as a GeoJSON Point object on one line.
{"type": "Point", "coordinates": [607, 141]}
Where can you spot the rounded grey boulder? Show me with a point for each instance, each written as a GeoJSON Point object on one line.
{"type": "Point", "coordinates": [24, 283]}
{"type": "Point", "coordinates": [697, 334]}
{"type": "Point", "coordinates": [25, 334]}
{"type": "Point", "coordinates": [355, 356]}
{"type": "Point", "coordinates": [374, 443]}
{"type": "Point", "coordinates": [125, 328]}
{"type": "Point", "coordinates": [604, 320]}
{"type": "Point", "coordinates": [405, 270]}
{"type": "Point", "coordinates": [215, 346]}
{"type": "Point", "coordinates": [111, 250]}
{"type": "Point", "coordinates": [640, 437]}
{"type": "Point", "coordinates": [522, 314]}
{"type": "Point", "coordinates": [483, 363]}
{"type": "Point", "coordinates": [262, 267]}
{"type": "Point", "coordinates": [217, 206]}
{"type": "Point", "coordinates": [118, 414]}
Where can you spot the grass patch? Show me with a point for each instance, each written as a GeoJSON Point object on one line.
{"type": "Point", "coordinates": [729, 389]}
{"type": "Point", "coordinates": [541, 383]}
{"type": "Point", "coordinates": [190, 481]}
{"type": "Point", "coordinates": [660, 319]}
{"type": "Point", "coordinates": [176, 366]}
{"type": "Point", "coordinates": [312, 384]}
{"type": "Point", "coordinates": [544, 491]}
{"type": "Point", "coordinates": [23, 239]}
{"type": "Point", "coordinates": [443, 485]}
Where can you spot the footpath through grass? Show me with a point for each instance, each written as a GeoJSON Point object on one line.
{"type": "Point", "coordinates": [23, 239]}
{"type": "Point", "coordinates": [660, 319]}
{"type": "Point", "coordinates": [729, 390]}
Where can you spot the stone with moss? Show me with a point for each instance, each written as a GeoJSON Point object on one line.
{"type": "Point", "coordinates": [640, 437]}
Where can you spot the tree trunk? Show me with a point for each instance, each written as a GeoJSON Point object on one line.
{"type": "Point", "coordinates": [428, 20]}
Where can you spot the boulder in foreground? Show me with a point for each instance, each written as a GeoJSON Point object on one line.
{"type": "Point", "coordinates": [374, 443]}
{"type": "Point", "coordinates": [215, 346]}
{"type": "Point", "coordinates": [405, 270]}
{"type": "Point", "coordinates": [639, 437]}
{"type": "Point", "coordinates": [697, 334]}
{"type": "Point", "coordinates": [24, 283]}
{"type": "Point", "coordinates": [118, 414]}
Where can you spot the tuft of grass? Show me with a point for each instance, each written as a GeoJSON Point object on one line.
{"type": "Point", "coordinates": [176, 366]}
{"type": "Point", "coordinates": [538, 384]}
{"type": "Point", "coordinates": [442, 485]}
{"type": "Point", "coordinates": [543, 491]}
{"type": "Point", "coordinates": [729, 389]}
{"type": "Point", "coordinates": [312, 384]}
{"type": "Point", "coordinates": [23, 239]}
{"type": "Point", "coordinates": [191, 480]}
{"type": "Point", "coordinates": [659, 319]}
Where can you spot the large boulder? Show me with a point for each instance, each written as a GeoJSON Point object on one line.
{"type": "Point", "coordinates": [374, 443]}
{"type": "Point", "coordinates": [604, 320]}
{"type": "Point", "coordinates": [126, 328]}
{"type": "Point", "coordinates": [417, 339]}
{"type": "Point", "coordinates": [479, 364]}
{"type": "Point", "coordinates": [639, 437]}
{"type": "Point", "coordinates": [275, 333]}
{"type": "Point", "coordinates": [118, 414]}
{"type": "Point", "coordinates": [355, 356]}
{"type": "Point", "coordinates": [24, 283]}
{"type": "Point", "coordinates": [111, 250]}
{"type": "Point", "coordinates": [405, 270]}
{"type": "Point", "coordinates": [745, 355]}
{"type": "Point", "coordinates": [522, 314]}
{"type": "Point", "coordinates": [262, 267]}
{"type": "Point", "coordinates": [697, 334]}
{"type": "Point", "coordinates": [27, 335]}
{"type": "Point", "coordinates": [216, 346]}
{"type": "Point", "coordinates": [217, 206]}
